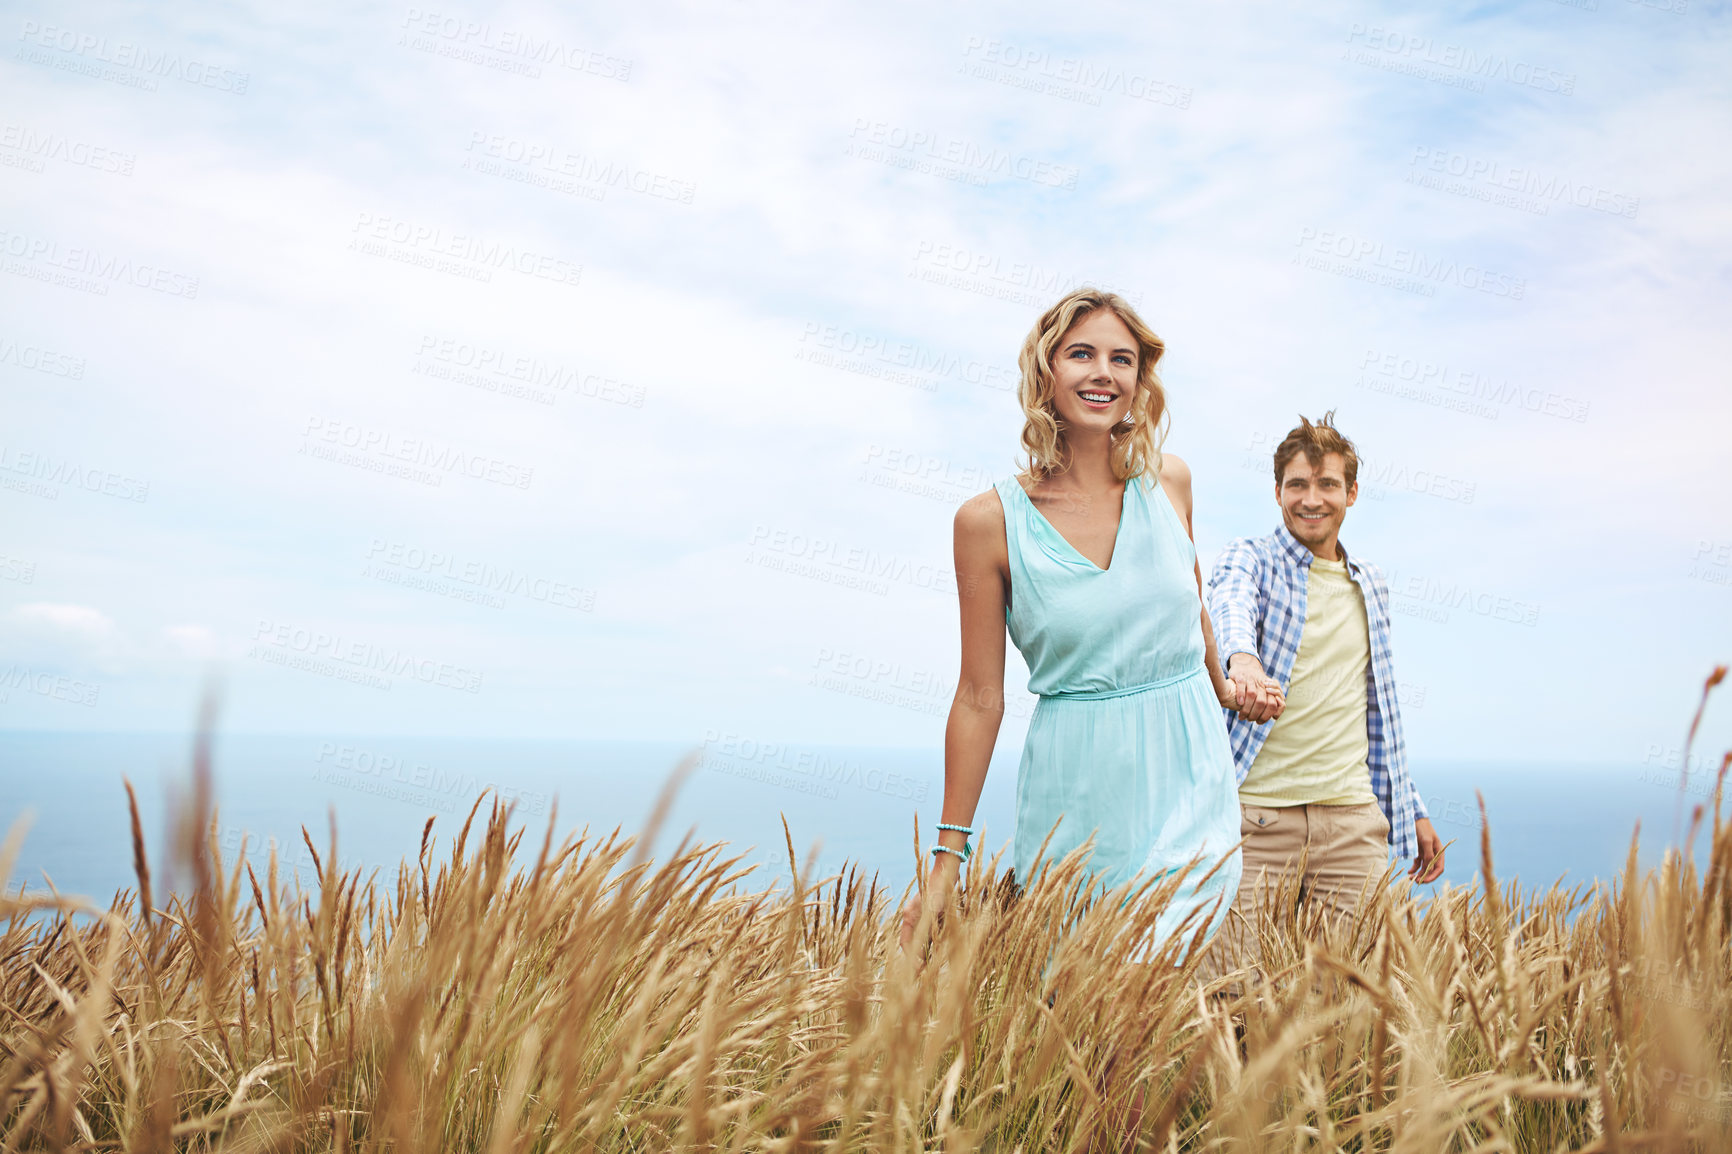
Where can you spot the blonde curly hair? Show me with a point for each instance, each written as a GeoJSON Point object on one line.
{"type": "Point", "coordinates": [1136, 444]}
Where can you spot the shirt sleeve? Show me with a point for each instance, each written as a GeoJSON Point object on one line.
{"type": "Point", "coordinates": [1236, 600]}
{"type": "Point", "coordinates": [1392, 728]}
{"type": "Point", "coordinates": [1378, 606]}
{"type": "Point", "coordinates": [1418, 803]}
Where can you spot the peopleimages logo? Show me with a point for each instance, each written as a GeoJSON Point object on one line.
{"type": "Point", "coordinates": [811, 555]}
{"type": "Point", "coordinates": [274, 641]}
{"type": "Point", "coordinates": [989, 274]}
{"type": "Point", "coordinates": [91, 269]}
{"type": "Point", "coordinates": [1419, 595]}
{"type": "Point", "coordinates": [1541, 189]}
{"type": "Point", "coordinates": [1469, 384]}
{"type": "Point", "coordinates": [803, 770]}
{"type": "Point", "coordinates": [1394, 475]}
{"type": "Point", "coordinates": [53, 470]}
{"type": "Point", "coordinates": [413, 451]}
{"type": "Point", "coordinates": [471, 38]}
{"type": "Point", "coordinates": [1407, 52]}
{"type": "Point", "coordinates": [1372, 256]}
{"type": "Point", "coordinates": [17, 569]}
{"type": "Point", "coordinates": [45, 684]}
{"type": "Point", "coordinates": [908, 465]}
{"type": "Point", "coordinates": [495, 369]}
{"type": "Point", "coordinates": [39, 146]}
{"type": "Point", "coordinates": [425, 245]}
{"type": "Point", "coordinates": [554, 161]}
{"type": "Point", "coordinates": [899, 361]}
{"type": "Point", "coordinates": [1712, 562]}
{"type": "Point", "coordinates": [938, 153]}
{"type": "Point", "coordinates": [483, 575]}
{"type": "Point", "coordinates": [907, 687]}
{"type": "Point", "coordinates": [1067, 77]}
{"type": "Point", "coordinates": [39, 359]}
{"type": "Point", "coordinates": [168, 65]}
{"type": "Point", "coordinates": [367, 770]}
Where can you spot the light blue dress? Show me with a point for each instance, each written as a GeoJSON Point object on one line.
{"type": "Point", "coordinates": [1127, 741]}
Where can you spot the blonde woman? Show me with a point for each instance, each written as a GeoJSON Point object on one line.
{"type": "Point", "coordinates": [1087, 557]}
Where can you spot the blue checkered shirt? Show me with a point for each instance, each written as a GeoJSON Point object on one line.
{"type": "Point", "coordinates": [1257, 605]}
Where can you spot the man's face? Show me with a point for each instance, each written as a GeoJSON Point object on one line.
{"type": "Point", "coordinates": [1314, 501]}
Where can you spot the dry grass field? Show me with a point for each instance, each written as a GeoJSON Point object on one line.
{"type": "Point", "coordinates": [574, 995]}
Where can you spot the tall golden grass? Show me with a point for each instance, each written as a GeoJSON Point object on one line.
{"type": "Point", "coordinates": [576, 995]}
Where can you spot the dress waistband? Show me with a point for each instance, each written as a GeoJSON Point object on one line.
{"type": "Point", "coordinates": [1102, 694]}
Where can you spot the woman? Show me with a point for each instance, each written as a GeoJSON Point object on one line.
{"type": "Point", "coordinates": [1087, 556]}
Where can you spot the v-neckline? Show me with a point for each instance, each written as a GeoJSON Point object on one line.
{"type": "Point", "coordinates": [1118, 533]}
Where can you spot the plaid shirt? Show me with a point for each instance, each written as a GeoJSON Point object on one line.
{"type": "Point", "coordinates": [1257, 605]}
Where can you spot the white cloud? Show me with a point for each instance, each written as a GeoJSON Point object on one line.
{"type": "Point", "coordinates": [81, 621]}
{"type": "Point", "coordinates": [63, 636]}
{"type": "Point", "coordinates": [196, 641]}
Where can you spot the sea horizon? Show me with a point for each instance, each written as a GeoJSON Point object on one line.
{"type": "Point", "coordinates": [1551, 822]}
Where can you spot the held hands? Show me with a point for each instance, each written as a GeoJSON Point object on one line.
{"type": "Point", "coordinates": [1259, 697]}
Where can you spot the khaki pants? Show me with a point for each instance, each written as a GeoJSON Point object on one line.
{"type": "Point", "coordinates": [1345, 848]}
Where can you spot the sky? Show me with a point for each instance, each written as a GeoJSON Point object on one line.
{"type": "Point", "coordinates": [614, 371]}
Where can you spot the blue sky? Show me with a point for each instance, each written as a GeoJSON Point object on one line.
{"type": "Point", "coordinates": [615, 371]}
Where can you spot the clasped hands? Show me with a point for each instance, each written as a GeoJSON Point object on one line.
{"type": "Point", "coordinates": [1257, 696]}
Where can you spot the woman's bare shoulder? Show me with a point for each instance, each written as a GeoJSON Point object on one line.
{"type": "Point", "coordinates": [1176, 480]}
{"type": "Point", "coordinates": [982, 515]}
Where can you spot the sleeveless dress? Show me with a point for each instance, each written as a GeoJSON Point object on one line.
{"type": "Point", "coordinates": [1127, 741]}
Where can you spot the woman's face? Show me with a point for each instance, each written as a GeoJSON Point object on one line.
{"type": "Point", "coordinates": [1095, 373]}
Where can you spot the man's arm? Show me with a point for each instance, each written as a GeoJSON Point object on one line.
{"type": "Point", "coordinates": [1428, 861]}
{"type": "Point", "coordinates": [1236, 601]}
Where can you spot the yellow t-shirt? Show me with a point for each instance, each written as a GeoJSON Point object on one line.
{"type": "Point", "coordinates": [1316, 751]}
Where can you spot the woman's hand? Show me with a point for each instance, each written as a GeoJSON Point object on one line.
{"type": "Point", "coordinates": [1260, 696]}
{"type": "Point", "coordinates": [946, 868]}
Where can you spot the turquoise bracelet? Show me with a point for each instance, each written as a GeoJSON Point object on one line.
{"type": "Point", "coordinates": [963, 829]}
{"type": "Point", "coordinates": [966, 852]}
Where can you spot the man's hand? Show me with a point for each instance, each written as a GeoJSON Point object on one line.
{"type": "Point", "coordinates": [1428, 863]}
{"type": "Point", "coordinates": [1260, 696]}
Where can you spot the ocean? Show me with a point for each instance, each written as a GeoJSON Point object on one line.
{"type": "Point", "coordinates": [842, 805]}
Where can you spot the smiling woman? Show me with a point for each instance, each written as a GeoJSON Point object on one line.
{"type": "Point", "coordinates": [1092, 338]}
{"type": "Point", "coordinates": [1086, 558]}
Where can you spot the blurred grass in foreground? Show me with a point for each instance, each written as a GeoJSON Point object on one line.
{"type": "Point", "coordinates": [586, 998]}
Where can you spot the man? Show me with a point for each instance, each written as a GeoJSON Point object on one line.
{"type": "Point", "coordinates": [1304, 629]}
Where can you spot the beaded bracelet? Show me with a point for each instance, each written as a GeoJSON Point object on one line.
{"type": "Point", "coordinates": [964, 853]}
{"type": "Point", "coordinates": [966, 829]}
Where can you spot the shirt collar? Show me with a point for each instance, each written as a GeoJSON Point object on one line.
{"type": "Point", "coordinates": [1290, 545]}
{"type": "Point", "coordinates": [1302, 557]}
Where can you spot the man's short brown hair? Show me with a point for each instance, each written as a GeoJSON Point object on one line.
{"type": "Point", "coordinates": [1316, 440]}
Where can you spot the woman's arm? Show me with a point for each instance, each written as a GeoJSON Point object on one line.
{"type": "Point", "coordinates": [982, 579]}
{"type": "Point", "coordinates": [1176, 480]}
{"type": "Point", "coordinates": [982, 567]}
